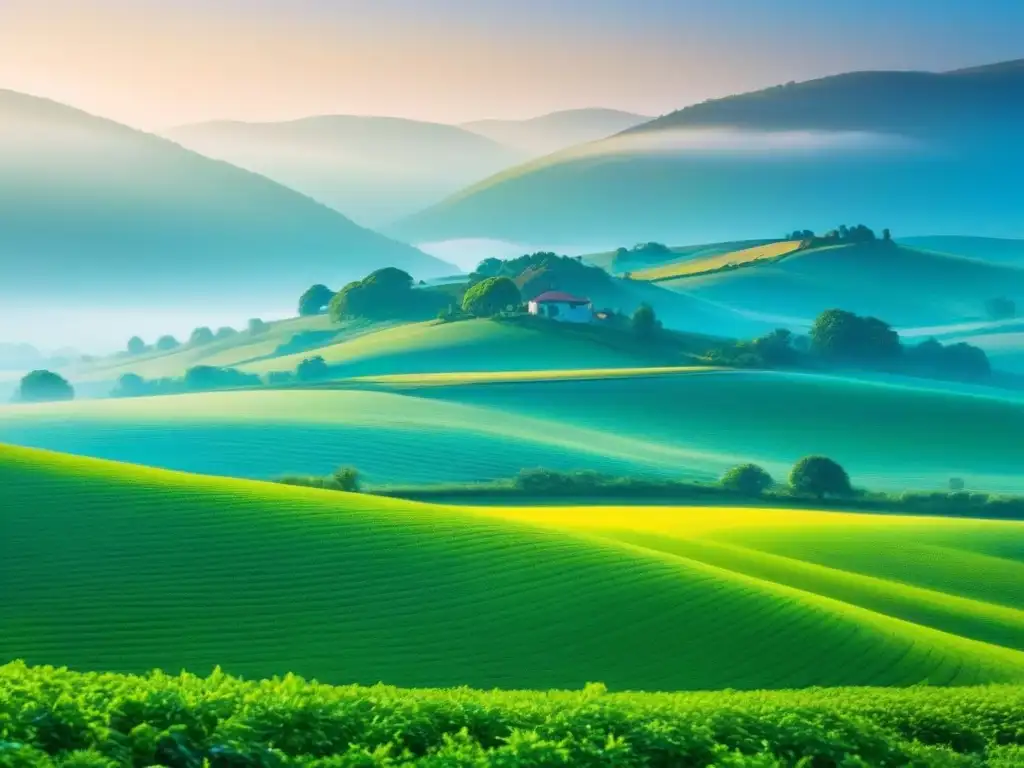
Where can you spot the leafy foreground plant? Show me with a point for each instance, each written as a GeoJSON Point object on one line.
{"type": "Point", "coordinates": [51, 717]}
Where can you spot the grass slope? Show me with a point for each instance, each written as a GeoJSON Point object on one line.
{"type": "Point", "coordinates": [471, 345]}
{"type": "Point", "coordinates": [232, 351]}
{"type": "Point", "coordinates": [903, 286]}
{"type": "Point", "coordinates": [465, 427]}
{"type": "Point", "coordinates": [993, 249]}
{"type": "Point", "coordinates": [156, 569]}
{"type": "Point", "coordinates": [711, 263]}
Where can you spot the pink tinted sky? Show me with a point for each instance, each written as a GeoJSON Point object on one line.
{"type": "Point", "coordinates": [157, 63]}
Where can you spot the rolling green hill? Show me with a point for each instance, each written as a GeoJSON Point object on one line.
{"type": "Point", "coordinates": [688, 424]}
{"type": "Point", "coordinates": [157, 569]}
{"type": "Point", "coordinates": [903, 286]}
{"type": "Point", "coordinates": [994, 249]}
{"type": "Point", "coordinates": [876, 146]}
{"type": "Point", "coordinates": [374, 169]}
{"type": "Point", "coordinates": [93, 213]}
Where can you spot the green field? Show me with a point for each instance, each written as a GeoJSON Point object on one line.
{"type": "Point", "coordinates": [107, 719]}
{"type": "Point", "coordinates": [903, 286]}
{"type": "Point", "coordinates": [163, 570]}
{"type": "Point", "coordinates": [361, 348]}
{"type": "Point", "coordinates": [432, 429]}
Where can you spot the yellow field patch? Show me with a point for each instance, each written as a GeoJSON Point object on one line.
{"type": "Point", "coordinates": [488, 377]}
{"type": "Point", "coordinates": [711, 263]}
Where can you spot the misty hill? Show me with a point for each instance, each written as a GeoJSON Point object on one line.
{"type": "Point", "coordinates": [559, 130]}
{"type": "Point", "coordinates": [913, 149]}
{"type": "Point", "coordinates": [903, 286]}
{"type": "Point", "coordinates": [995, 249]}
{"type": "Point", "coordinates": [95, 212]}
{"type": "Point", "coordinates": [374, 169]}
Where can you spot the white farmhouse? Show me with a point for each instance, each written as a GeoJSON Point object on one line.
{"type": "Point", "coordinates": [563, 307]}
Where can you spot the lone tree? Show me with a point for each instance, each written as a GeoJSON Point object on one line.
{"type": "Point", "coordinates": [645, 323]}
{"type": "Point", "coordinates": [312, 368]}
{"type": "Point", "coordinates": [44, 387]}
{"type": "Point", "coordinates": [315, 300]}
{"type": "Point", "coordinates": [820, 476]}
{"type": "Point", "coordinates": [491, 296]}
{"type": "Point", "coordinates": [347, 479]}
{"type": "Point", "coordinates": [136, 346]}
{"type": "Point", "coordinates": [257, 326]}
{"type": "Point", "coordinates": [201, 336]}
{"type": "Point", "coordinates": [167, 343]}
{"type": "Point", "coordinates": [748, 479]}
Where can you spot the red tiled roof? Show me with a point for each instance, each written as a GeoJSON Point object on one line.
{"type": "Point", "coordinates": [552, 297]}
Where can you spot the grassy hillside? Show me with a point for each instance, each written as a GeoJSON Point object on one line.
{"type": "Point", "coordinates": [687, 424]}
{"type": "Point", "coordinates": [994, 249]}
{"type": "Point", "coordinates": [148, 570]}
{"type": "Point", "coordinates": [710, 263]}
{"type": "Point", "coordinates": [374, 169]}
{"type": "Point", "coordinates": [361, 348]}
{"type": "Point", "coordinates": [903, 286]}
{"type": "Point", "coordinates": [558, 130]}
{"type": "Point", "coordinates": [93, 213]}
{"type": "Point", "coordinates": [877, 146]}
{"type": "Point", "coordinates": [269, 722]}
{"type": "Point", "coordinates": [232, 351]}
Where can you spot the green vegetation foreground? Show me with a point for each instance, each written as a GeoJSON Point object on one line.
{"type": "Point", "coordinates": [53, 718]}
{"type": "Point", "coordinates": [161, 570]}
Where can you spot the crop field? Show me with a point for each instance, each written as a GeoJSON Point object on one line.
{"type": "Point", "coordinates": [710, 263]}
{"type": "Point", "coordinates": [453, 428]}
{"type": "Point", "coordinates": [902, 286]}
{"type": "Point", "coordinates": [606, 260]}
{"type": "Point", "coordinates": [108, 719]}
{"type": "Point", "coordinates": [164, 570]}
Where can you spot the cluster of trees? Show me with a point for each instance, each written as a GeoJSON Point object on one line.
{"type": "Point", "coordinates": [199, 378]}
{"type": "Point", "coordinates": [817, 476]}
{"type": "Point", "coordinates": [386, 294]}
{"type": "Point", "coordinates": [840, 235]}
{"type": "Point", "coordinates": [43, 386]}
{"type": "Point", "coordinates": [345, 479]}
{"type": "Point", "coordinates": [203, 335]}
{"type": "Point", "coordinates": [838, 337]}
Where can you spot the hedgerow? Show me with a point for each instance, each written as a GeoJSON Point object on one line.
{"type": "Point", "coordinates": [53, 718]}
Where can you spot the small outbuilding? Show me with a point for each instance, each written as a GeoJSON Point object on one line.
{"type": "Point", "coordinates": [563, 307]}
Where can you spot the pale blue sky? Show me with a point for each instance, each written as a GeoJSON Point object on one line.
{"type": "Point", "coordinates": [155, 63]}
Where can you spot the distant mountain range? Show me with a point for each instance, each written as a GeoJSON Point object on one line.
{"type": "Point", "coordinates": [374, 169]}
{"type": "Point", "coordinates": [380, 169]}
{"type": "Point", "coordinates": [918, 152]}
{"type": "Point", "coordinates": [94, 212]}
{"type": "Point", "coordinates": [559, 130]}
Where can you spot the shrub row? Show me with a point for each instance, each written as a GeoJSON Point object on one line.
{"type": "Point", "coordinates": [52, 717]}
